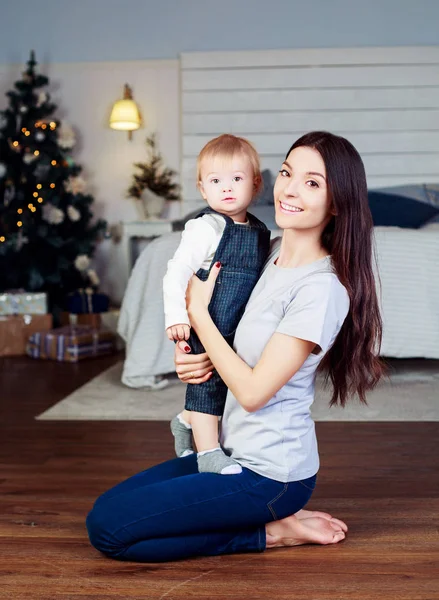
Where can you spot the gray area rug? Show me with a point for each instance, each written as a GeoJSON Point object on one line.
{"type": "Point", "coordinates": [411, 393]}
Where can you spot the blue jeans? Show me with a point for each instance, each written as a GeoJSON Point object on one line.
{"type": "Point", "coordinates": [172, 511]}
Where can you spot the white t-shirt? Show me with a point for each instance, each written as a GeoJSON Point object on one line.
{"type": "Point", "coordinates": [199, 242]}
{"type": "Point", "coordinates": [308, 302]}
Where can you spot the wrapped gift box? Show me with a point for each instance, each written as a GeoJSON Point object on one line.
{"type": "Point", "coordinates": [16, 329]}
{"type": "Point", "coordinates": [91, 319]}
{"type": "Point", "coordinates": [107, 320]}
{"type": "Point", "coordinates": [87, 301]}
{"type": "Point", "coordinates": [71, 344]}
{"type": "Point", "coordinates": [23, 303]}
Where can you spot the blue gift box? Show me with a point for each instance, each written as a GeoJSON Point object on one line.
{"type": "Point", "coordinates": [87, 301]}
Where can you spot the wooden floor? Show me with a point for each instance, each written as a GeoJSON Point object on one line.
{"type": "Point", "coordinates": [382, 478]}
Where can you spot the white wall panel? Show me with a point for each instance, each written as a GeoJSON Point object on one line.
{"type": "Point", "coordinates": [319, 99]}
{"type": "Point", "coordinates": [384, 100]}
{"type": "Point", "coordinates": [305, 77]}
{"type": "Point", "coordinates": [295, 121]}
{"type": "Point", "coordinates": [311, 56]}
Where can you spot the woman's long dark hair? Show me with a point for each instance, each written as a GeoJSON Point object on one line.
{"type": "Point", "coordinates": [352, 363]}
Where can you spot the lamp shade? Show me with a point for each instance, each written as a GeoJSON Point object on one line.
{"type": "Point", "coordinates": [125, 116]}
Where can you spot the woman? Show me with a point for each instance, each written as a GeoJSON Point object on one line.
{"type": "Point", "coordinates": [315, 306]}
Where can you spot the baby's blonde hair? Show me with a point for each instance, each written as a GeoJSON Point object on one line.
{"type": "Point", "coordinates": [228, 146]}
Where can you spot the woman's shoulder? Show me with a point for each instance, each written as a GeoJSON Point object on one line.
{"type": "Point", "coordinates": [325, 285]}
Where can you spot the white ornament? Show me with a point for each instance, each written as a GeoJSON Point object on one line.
{"type": "Point", "coordinates": [75, 185]}
{"type": "Point", "coordinates": [66, 136]}
{"type": "Point", "coordinates": [39, 136]}
{"type": "Point", "coordinates": [29, 158]}
{"type": "Point", "coordinates": [73, 213]}
{"type": "Point", "coordinates": [42, 98]}
{"type": "Point", "coordinates": [82, 262]}
{"type": "Point", "coordinates": [23, 109]}
{"type": "Point", "coordinates": [93, 277]}
{"type": "Point", "coordinates": [52, 214]}
{"type": "Point", "coordinates": [21, 240]}
{"type": "Point", "coordinates": [3, 170]}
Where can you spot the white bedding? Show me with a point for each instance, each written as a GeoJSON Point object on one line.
{"type": "Point", "coordinates": [408, 262]}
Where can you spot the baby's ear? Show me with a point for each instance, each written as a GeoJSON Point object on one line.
{"type": "Point", "coordinates": [201, 188]}
{"type": "Point", "coordinates": [257, 184]}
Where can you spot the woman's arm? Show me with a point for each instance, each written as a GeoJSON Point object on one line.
{"type": "Point", "coordinates": [252, 387]}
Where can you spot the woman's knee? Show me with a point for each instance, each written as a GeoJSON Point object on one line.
{"type": "Point", "coordinates": [102, 537]}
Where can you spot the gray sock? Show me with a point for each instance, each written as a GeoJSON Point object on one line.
{"type": "Point", "coordinates": [182, 437]}
{"type": "Point", "coordinates": [215, 461]}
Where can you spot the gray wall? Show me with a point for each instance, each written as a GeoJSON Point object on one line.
{"type": "Point", "coordinates": [105, 30]}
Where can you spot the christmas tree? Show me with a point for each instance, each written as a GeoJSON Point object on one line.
{"type": "Point", "coordinates": [46, 232]}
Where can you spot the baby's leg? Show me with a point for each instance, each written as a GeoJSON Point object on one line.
{"type": "Point", "coordinates": [211, 458]}
{"type": "Point", "coordinates": [182, 432]}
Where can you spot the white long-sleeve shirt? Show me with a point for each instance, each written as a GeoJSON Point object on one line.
{"type": "Point", "coordinates": [198, 245]}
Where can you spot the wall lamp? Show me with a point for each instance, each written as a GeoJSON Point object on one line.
{"type": "Point", "coordinates": [125, 115]}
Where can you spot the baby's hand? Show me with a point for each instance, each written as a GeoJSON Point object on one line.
{"type": "Point", "coordinates": [178, 332]}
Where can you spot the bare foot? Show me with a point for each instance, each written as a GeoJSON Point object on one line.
{"type": "Point", "coordinates": [307, 514]}
{"type": "Point", "coordinates": [296, 532]}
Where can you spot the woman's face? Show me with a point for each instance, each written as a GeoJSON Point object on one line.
{"type": "Point", "coordinates": [301, 192]}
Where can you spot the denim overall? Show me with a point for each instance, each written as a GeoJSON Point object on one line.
{"type": "Point", "coordinates": [242, 251]}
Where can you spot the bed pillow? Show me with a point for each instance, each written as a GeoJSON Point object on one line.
{"type": "Point", "coordinates": [392, 210]}
{"type": "Point", "coordinates": [265, 197]}
{"type": "Point", "coordinates": [432, 191]}
{"type": "Point", "coordinates": [264, 214]}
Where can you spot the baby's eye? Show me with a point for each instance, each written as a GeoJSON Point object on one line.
{"type": "Point", "coordinates": [284, 173]}
{"type": "Point", "coordinates": [215, 180]}
{"type": "Point", "coordinates": [314, 183]}
{"type": "Point", "coordinates": [237, 178]}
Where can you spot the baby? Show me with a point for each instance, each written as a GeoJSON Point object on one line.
{"type": "Point", "coordinates": [228, 177]}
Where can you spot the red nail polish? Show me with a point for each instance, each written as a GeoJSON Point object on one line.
{"type": "Point", "coordinates": [218, 264]}
{"type": "Point", "coordinates": [187, 348]}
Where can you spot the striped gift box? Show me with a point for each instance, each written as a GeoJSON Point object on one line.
{"type": "Point", "coordinates": [71, 343]}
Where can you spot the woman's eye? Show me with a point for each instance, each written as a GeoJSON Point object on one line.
{"type": "Point", "coordinates": [284, 173]}
{"type": "Point", "coordinates": [314, 183]}
{"type": "Point", "coordinates": [237, 178]}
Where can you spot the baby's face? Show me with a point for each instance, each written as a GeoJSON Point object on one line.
{"type": "Point", "coordinates": [228, 185]}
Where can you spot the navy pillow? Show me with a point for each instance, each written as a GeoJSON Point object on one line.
{"type": "Point", "coordinates": [392, 210]}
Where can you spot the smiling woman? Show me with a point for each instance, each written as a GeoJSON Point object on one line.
{"type": "Point", "coordinates": [313, 308]}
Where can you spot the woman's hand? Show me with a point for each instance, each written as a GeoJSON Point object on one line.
{"type": "Point", "coordinates": [191, 368]}
{"type": "Point", "coordinates": [199, 293]}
